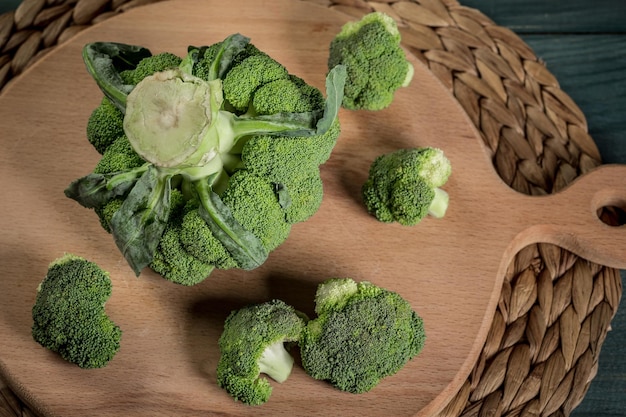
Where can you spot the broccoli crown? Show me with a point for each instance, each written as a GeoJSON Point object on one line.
{"type": "Point", "coordinates": [362, 334]}
{"type": "Point", "coordinates": [253, 342]}
{"type": "Point", "coordinates": [69, 315]}
{"type": "Point", "coordinates": [403, 186]}
{"type": "Point", "coordinates": [105, 125]}
{"type": "Point", "coordinates": [376, 64]}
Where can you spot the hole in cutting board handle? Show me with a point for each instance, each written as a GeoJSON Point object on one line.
{"type": "Point", "coordinates": [611, 209]}
{"type": "Point", "coordinates": [612, 215]}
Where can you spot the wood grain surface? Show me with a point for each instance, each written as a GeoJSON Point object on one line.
{"type": "Point", "coordinates": [486, 225]}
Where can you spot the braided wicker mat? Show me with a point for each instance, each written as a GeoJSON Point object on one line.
{"type": "Point", "coordinates": [555, 308]}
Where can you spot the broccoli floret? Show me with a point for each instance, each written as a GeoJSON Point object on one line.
{"type": "Point", "coordinates": [292, 164]}
{"type": "Point", "coordinates": [290, 94]}
{"type": "Point", "coordinates": [362, 334]}
{"type": "Point", "coordinates": [305, 194]}
{"type": "Point", "coordinates": [172, 260]}
{"type": "Point", "coordinates": [377, 66]}
{"type": "Point", "coordinates": [202, 67]}
{"type": "Point", "coordinates": [404, 186]}
{"type": "Point", "coordinates": [244, 79]}
{"type": "Point", "coordinates": [174, 263]}
{"type": "Point", "coordinates": [105, 125]}
{"type": "Point", "coordinates": [197, 131]}
{"type": "Point", "coordinates": [151, 65]}
{"type": "Point", "coordinates": [119, 156]}
{"type": "Point", "coordinates": [255, 206]}
{"type": "Point", "coordinates": [200, 242]}
{"type": "Point", "coordinates": [69, 315]}
{"type": "Point", "coordinates": [252, 343]}
{"type": "Point", "coordinates": [106, 212]}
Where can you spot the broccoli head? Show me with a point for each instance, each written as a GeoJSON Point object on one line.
{"type": "Point", "coordinates": [252, 343]}
{"type": "Point", "coordinates": [69, 316]}
{"type": "Point", "coordinates": [362, 334]}
{"type": "Point", "coordinates": [227, 127]}
{"type": "Point", "coordinates": [404, 186]}
{"type": "Point", "coordinates": [376, 64]}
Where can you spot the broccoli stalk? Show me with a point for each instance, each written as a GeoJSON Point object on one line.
{"type": "Point", "coordinates": [69, 316]}
{"type": "Point", "coordinates": [362, 334]}
{"type": "Point", "coordinates": [192, 138]}
{"type": "Point", "coordinates": [252, 343]}
{"type": "Point", "coordinates": [404, 186]}
{"type": "Point", "coordinates": [276, 362]}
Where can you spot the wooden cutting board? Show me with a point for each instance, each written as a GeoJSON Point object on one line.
{"type": "Point", "coordinates": [451, 269]}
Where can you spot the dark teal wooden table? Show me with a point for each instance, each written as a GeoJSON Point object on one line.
{"type": "Point", "coordinates": [583, 43]}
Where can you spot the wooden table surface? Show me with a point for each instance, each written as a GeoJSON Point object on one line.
{"type": "Point", "coordinates": [583, 44]}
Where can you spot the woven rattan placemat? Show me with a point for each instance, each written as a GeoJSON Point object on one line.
{"type": "Point", "coordinates": [555, 308]}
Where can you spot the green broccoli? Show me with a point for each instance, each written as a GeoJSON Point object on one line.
{"type": "Point", "coordinates": [376, 64]}
{"type": "Point", "coordinates": [362, 334]}
{"type": "Point", "coordinates": [69, 316]}
{"type": "Point", "coordinates": [242, 81]}
{"type": "Point", "coordinates": [228, 128]}
{"type": "Point", "coordinates": [104, 125]}
{"type": "Point", "coordinates": [253, 343]}
{"type": "Point", "coordinates": [150, 65]}
{"type": "Point", "coordinates": [404, 186]}
{"type": "Point", "coordinates": [119, 156]}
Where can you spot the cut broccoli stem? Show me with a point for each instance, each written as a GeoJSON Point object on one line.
{"type": "Point", "coordinates": [439, 205]}
{"type": "Point", "coordinates": [276, 362]}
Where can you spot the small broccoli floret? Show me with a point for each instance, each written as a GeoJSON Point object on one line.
{"type": "Point", "coordinates": [404, 186]}
{"type": "Point", "coordinates": [290, 94]}
{"type": "Point", "coordinates": [377, 66]}
{"type": "Point", "coordinates": [305, 194]}
{"type": "Point", "coordinates": [202, 67]}
{"type": "Point", "coordinates": [69, 316]}
{"type": "Point", "coordinates": [244, 79]}
{"type": "Point", "coordinates": [292, 164]}
{"type": "Point", "coordinates": [105, 125]}
{"type": "Point", "coordinates": [119, 156]}
{"type": "Point", "coordinates": [252, 343]}
{"type": "Point", "coordinates": [362, 334]}
{"type": "Point", "coordinates": [174, 263]}
{"type": "Point", "coordinates": [149, 66]}
{"type": "Point", "coordinates": [172, 260]}
{"type": "Point", "coordinates": [256, 207]}
{"type": "Point", "coordinates": [106, 212]}
{"type": "Point", "coordinates": [199, 241]}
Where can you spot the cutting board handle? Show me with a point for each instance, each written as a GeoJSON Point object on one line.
{"type": "Point", "coordinates": [570, 218]}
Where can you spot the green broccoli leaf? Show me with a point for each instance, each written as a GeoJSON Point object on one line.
{"type": "Point", "coordinates": [96, 190]}
{"type": "Point", "coordinates": [106, 60]}
{"type": "Point", "coordinates": [139, 223]}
